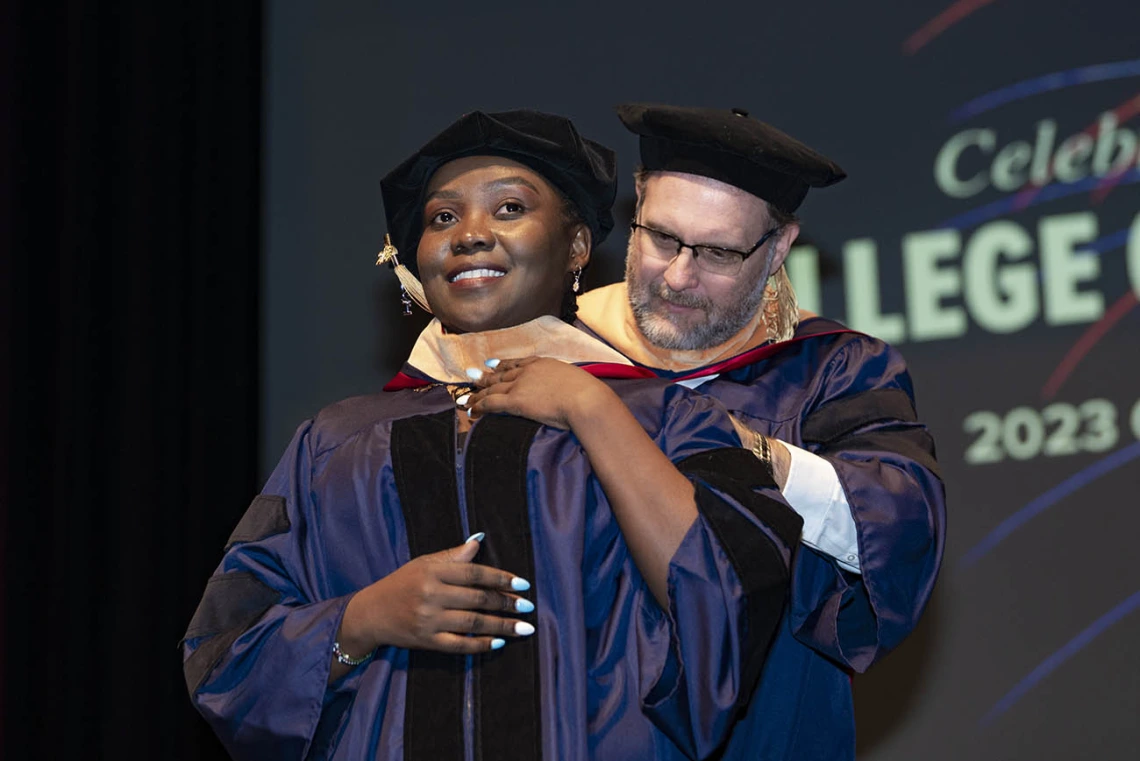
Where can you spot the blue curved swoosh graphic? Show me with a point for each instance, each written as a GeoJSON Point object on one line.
{"type": "Point", "coordinates": [1106, 243]}
{"type": "Point", "coordinates": [988, 211]}
{"type": "Point", "coordinates": [1046, 83]}
{"type": "Point", "coordinates": [1067, 651]}
{"type": "Point", "coordinates": [1048, 499]}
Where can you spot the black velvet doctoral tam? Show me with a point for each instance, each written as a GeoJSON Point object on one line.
{"type": "Point", "coordinates": [732, 147]}
{"type": "Point", "coordinates": [583, 170]}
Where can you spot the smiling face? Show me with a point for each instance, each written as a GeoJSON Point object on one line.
{"type": "Point", "coordinates": [496, 246]}
{"type": "Point", "coordinates": [676, 304]}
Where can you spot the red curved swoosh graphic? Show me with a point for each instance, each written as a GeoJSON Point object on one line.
{"type": "Point", "coordinates": [941, 23]}
{"type": "Point", "coordinates": [1086, 342]}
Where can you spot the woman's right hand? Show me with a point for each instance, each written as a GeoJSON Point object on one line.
{"type": "Point", "coordinates": [441, 602]}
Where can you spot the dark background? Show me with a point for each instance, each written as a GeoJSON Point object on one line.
{"type": "Point", "coordinates": [131, 247]}
{"type": "Point", "coordinates": [191, 214]}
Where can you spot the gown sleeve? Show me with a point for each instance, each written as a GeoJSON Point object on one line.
{"type": "Point", "coordinates": [864, 423]}
{"type": "Point", "coordinates": [728, 582]}
{"type": "Point", "coordinates": [258, 650]}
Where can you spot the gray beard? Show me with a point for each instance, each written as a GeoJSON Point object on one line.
{"type": "Point", "coordinates": [720, 324]}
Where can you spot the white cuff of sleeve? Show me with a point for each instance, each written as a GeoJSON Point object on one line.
{"type": "Point", "coordinates": [813, 490]}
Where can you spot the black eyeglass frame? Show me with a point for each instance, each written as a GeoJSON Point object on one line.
{"type": "Point", "coordinates": [634, 226]}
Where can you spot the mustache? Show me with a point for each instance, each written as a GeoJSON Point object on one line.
{"type": "Point", "coordinates": [681, 299]}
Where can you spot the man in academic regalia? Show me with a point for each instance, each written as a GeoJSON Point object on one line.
{"type": "Point", "coordinates": [706, 302]}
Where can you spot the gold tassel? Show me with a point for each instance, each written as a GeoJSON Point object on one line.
{"type": "Point", "coordinates": [781, 308]}
{"type": "Point", "coordinates": [412, 286]}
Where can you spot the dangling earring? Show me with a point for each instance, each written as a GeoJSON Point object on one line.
{"type": "Point", "coordinates": [406, 300]}
{"type": "Point", "coordinates": [577, 286]}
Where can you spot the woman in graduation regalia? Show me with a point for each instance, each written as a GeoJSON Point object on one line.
{"type": "Point", "coordinates": [627, 587]}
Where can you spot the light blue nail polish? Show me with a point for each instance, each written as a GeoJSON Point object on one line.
{"type": "Point", "coordinates": [492, 363]}
{"type": "Point", "coordinates": [474, 373]}
{"type": "Point", "coordinates": [462, 400]}
{"type": "Point", "coordinates": [520, 585]}
{"type": "Point", "coordinates": [496, 643]}
{"type": "Point", "coordinates": [524, 606]}
{"type": "Point", "coordinates": [475, 537]}
{"type": "Point", "coordinates": [523, 629]}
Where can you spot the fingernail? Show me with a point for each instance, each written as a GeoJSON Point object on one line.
{"type": "Point", "coordinates": [523, 629]}
{"type": "Point", "coordinates": [496, 643]}
{"type": "Point", "coordinates": [520, 585]}
{"type": "Point", "coordinates": [474, 373]}
{"type": "Point", "coordinates": [492, 363]}
{"type": "Point", "coordinates": [462, 400]}
{"type": "Point", "coordinates": [468, 412]}
{"type": "Point", "coordinates": [524, 606]}
{"type": "Point", "coordinates": [478, 537]}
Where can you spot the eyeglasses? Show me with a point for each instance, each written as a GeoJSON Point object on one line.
{"type": "Point", "coordinates": [711, 259]}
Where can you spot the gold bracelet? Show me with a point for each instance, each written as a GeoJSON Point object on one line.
{"type": "Point", "coordinates": [763, 451]}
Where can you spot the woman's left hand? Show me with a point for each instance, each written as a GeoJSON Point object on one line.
{"type": "Point", "coordinates": [549, 391]}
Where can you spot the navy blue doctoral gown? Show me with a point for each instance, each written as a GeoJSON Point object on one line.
{"type": "Point", "coordinates": [375, 481]}
{"type": "Point", "coordinates": [846, 397]}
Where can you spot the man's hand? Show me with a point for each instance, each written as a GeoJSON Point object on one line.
{"type": "Point", "coordinates": [781, 458]}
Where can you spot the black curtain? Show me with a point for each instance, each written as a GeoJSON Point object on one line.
{"type": "Point", "coordinates": [130, 312]}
